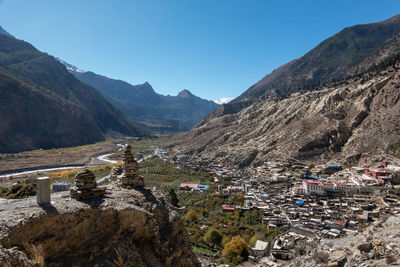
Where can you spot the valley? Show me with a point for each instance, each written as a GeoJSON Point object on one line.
{"type": "Point", "coordinates": [301, 169]}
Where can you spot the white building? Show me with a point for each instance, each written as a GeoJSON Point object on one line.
{"type": "Point", "coordinates": [298, 190]}
{"type": "Point", "coordinates": [321, 188]}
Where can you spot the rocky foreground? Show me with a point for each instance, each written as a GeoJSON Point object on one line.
{"type": "Point", "coordinates": [124, 228]}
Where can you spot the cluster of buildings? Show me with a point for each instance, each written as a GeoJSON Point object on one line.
{"type": "Point", "coordinates": [324, 202]}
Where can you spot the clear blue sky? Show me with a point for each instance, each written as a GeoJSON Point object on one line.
{"type": "Point", "coordinates": [214, 48]}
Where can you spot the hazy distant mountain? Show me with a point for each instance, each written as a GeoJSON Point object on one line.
{"type": "Point", "coordinates": [340, 101]}
{"type": "Point", "coordinates": [142, 103]}
{"type": "Point", "coordinates": [44, 106]}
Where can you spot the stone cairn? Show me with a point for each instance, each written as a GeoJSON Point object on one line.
{"type": "Point", "coordinates": [85, 186]}
{"type": "Point", "coordinates": [115, 172]}
{"type": "Point", "coordinates": [130, 173]}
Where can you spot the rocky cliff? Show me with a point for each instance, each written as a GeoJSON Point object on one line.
{"type": "Point", "coordinates": [357, 119]}
{"type": "Point", "coordinates": [125, 228]}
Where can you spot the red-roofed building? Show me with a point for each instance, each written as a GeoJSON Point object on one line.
{"type": "Point", "coordinates": [188, 187]}
{"type": "Point", "coordinates": [225, 207]}
{"type": "Point", "coordinates": [299, 190]}
{"type": "Point", "coordinates": [378, 173]}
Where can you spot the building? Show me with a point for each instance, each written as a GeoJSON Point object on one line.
{"type": "Point", "coordinates": [322, 188]}
{"type": "Point", "coordinates": [226, 208]}
{"type": "Point", "coordinates": [299, 190]}
{"type": "Point", "coordinates": [193, 187]}
{"type": "Point", "coordinates": [188, 187]}
{"type": "Point", "coordinates": [260, 249]}
{"type": "Point", "coordinates": [378, 173]}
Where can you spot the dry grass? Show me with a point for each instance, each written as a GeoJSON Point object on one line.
{"type": "Point", "coordinates": [36, 253]}
{"type": "Point", "coordinates": [119, 262]}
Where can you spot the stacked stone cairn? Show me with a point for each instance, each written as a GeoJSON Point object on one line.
{"type": "Point", "coordinates": [115, 172]}
{"type": "Point", "coordinates": [85, 186]}
{"type": "Point", "coordinates": [130, 172]}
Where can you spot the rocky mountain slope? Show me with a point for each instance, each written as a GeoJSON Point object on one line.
{"type": "Point", "coordinates": [354, 120]}
{"type": "Point", "coordinates": [352, 51]}
{"type": "Point", "coordinates": [348, 53]}
{"type": "Point", "coordinates": [338, 102]}
{"type": "Point", "coordinates": [142, 103]}
{"type": "Point", "coordinates": [44, 106]}
{"type": "Point", "coordinates": [125, 228]}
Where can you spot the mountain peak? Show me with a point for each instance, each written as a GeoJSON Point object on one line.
{"type": "Point", "coordinates": [4, 32]}
{"type": "Point", "coordinates": [185, 94]}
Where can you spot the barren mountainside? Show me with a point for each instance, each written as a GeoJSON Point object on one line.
{"type": "Point", "coordinates": [339, 102]}
{"type": "Point", "coordinates": [44, 106]}
{"type": "Point", "coordinates": [355, 120]}
{"type": "Point", "coordinates": [351, 51]}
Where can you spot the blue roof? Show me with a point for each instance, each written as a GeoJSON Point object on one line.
{"type": "Point", "coordinates": [299, 202]}
{"type": "Point", "coordinates": [204, 187]}
{"type": "Point", "coordinates": [334, 165]}
{"type": "Point", "coordinates": [309, 176]}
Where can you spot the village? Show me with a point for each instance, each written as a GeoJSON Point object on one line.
{"type": "Point", "coordinates": [313, 202]}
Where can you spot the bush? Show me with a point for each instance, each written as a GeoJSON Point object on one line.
{"type": "Point", "coordinates": [191, 216]}
{"type": "Point", "coordinates": [236, 250]}
{"type": "Point", "coordinates": [213, 236]}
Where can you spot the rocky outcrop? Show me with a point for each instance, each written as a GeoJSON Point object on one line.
{"type": "Point", "coordinates": [126, 228]}
{"type": "Point", "coordinates": [356, 120]}
{"type": "Point", "coordinates": [130, 177]}
{"type": "Point", "coordinates": [85, 186]}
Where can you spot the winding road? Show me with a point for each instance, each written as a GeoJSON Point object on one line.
{"type": "Point", "coordinates": [103, 158]}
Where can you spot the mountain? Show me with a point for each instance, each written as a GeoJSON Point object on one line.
{"type": "Point", "coordinates": [345, 54]}
{"type": "Point", "coordinates": [351, 117]}
{"type": "Point", "coordinates": [4, 32]}
{"type": "Point", "coordinates": [143, 104]}
{"type": "Point", "coordinates": [350, 52]}
{"type": "Point", "coordinates": [44, 106]}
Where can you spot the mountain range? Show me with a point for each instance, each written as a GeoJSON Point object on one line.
{"type": "Point", "coordinates": [44, 106]}
{"type": "Point", "coordinates": [340, 101]}
{"type": "Point", "coordinates": [141, 103]}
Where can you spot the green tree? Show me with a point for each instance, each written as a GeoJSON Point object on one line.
{"type": "Point", "coordinates": [213, 236]}
{"type": "Point", "coordinates": [173, 197]}
{"type": "Point", "coordinates": [253, 217]}
{"type": "Point", "coordinates": [236, 250]}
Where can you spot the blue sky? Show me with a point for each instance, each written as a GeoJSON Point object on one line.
{"type": "Point", "coordinates": [214, 48]}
